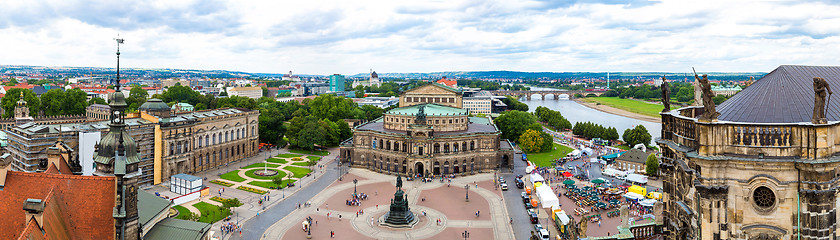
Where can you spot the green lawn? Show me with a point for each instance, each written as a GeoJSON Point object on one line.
{"type": "Point", "coordinates": [314, 158]}
{"type": "Point", "coordinates": [298, 171]}
{"type": "Point", "coordinates": [305, 164]}
{"type": "Point", "coordinates": [623, 147]}
{"type": "Point", "coordinates": [233, 176]}
{"type": "Point", "coordinates": [287, 155]}
{"type": "Point", "coordinates": [270, 185]}
{"type": "Point", "coordinates": [183, 213]}
{"type": "Point", "coordinates": [545, 159]}
{"type": "Point", "coordinates": [210, 213]}
{"type": "Point", "coordinates": [262, 165]}
{"type": "Point", "coordinates": [250, 173]}
{"type": "Point", "coordinates": [275, 160]}
{"type": "Point", "coordinates": [319, 153]}
{"type": "Point", "coordinates": [629, 105]}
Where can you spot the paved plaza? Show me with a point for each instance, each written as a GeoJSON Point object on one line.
{"type": "Point", "coordinates": [443, 200]}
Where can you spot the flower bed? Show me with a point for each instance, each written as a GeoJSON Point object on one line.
{"type": "Point", "coordinates": [223, 183]}
{"type": "Point", "coordinates": [223, 200]}
{"type": "Point", "coordinates": [297, 159]}
{"type": "Point", "coordinates": [250, 189]}
{"type": "Point", "coordinates": [271, 185]}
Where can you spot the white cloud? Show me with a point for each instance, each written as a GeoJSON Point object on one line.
{"type": "Point", "coordinates": [324, 37]}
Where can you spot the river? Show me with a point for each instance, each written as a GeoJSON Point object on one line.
{"type": "Point", "coordinates": [576, 112]}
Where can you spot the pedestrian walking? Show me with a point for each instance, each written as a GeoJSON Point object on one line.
{"type": "Point", "coordinates": [332, 234]}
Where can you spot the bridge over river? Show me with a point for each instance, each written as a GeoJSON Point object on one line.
{"type": "Point", "coordinates": [557, 94]}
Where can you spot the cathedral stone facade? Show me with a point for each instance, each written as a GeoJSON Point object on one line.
{"type": "Point", "coordinates": [761, 170]}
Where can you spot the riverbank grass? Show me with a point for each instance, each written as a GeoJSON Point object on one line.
{"type": "Point", "coordinates": [545, 159]}
{"type": "Point", "coordinates": [629, 105]}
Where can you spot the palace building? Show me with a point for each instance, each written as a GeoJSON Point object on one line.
{"type": "Point", "coordinates": [764, 169]}
{"type": "Point", "coordinates": [428, 138]}
{"type": "Point", "coordinates": [168, 143]}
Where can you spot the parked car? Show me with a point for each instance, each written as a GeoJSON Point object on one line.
{"type": "Point", "coordinates": [520, 184]}
{"type": "Point", "coordinates": [538, 227]}
{"type": "Point", "coordinates": [519, 176]}
{"type": "Point", "coordinates": [544, 234]}
{"type": "Point", "coordinates": [534, 218]}
{"type": "Point", "coordinates": [504, 186]}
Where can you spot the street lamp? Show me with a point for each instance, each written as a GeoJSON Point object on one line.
{"type": "Point", "coordinates": [465, 234]}
{"type": "Point", "coordinates": [354, 185]}
{"type": "Point", "coordinates": [467, 188]}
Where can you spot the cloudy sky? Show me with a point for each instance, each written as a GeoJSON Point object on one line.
{"type": "Point", "coordinates": [348, 37]}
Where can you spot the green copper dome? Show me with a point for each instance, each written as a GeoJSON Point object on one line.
{"type": "Point", "coordinates": [154, 104]}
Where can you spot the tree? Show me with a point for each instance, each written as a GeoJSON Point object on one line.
{"type": "Point", "coordinates": [372, 112]}
{"type": "Point", "coordinates": [328, 106]}
{"type": "Point", "coordinates": [637, 135]}
{"type": "Point", "coordinates": [265, 92]}
{"type": "Point", "coordinates": [278, 181]}
{"type": "Point", "coordinates": [52, 101]}
{"type": "Point", "coordinates": [530, 141]}
{"type": "Point", "coordinates": [136, 97]}
{"type": "Point", "coordinates": [344, 131]}
{"type": "Point", "coordinates": [96, 100]}
{"type": "Point", "coordinates": [652, 165]}
{"type": "Point", "coordinates": [74, 102]}
{"type": "Point", "coordinates": [360, 93]}
{"type": "Point", "coordinates": [514, 123]}
{"type": "Point", "coordinates": [13, 95]}
{"type": "Point", "coordinates": [514, 104]}
{"type": "Point", "coordinates": [310, 135]}
{"type": "Point", "coordinates": [223, 94]}
{"type": "Point", "coordinates": [548, 142]}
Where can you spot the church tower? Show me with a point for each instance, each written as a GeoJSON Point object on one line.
{"type": "Point", "coordinates": [22, 112]}
{"type": "Point", "coordinates": [116, 155]}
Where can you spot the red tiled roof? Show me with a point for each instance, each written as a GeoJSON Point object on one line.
{"type": "Point", "coordinates": [85, 203]}
{"type": "Point", "coordinates": [447, 82]}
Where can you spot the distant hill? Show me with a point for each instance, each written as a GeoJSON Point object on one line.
{"type": "Point", "coordinates": [565, 75]}
{"type": "Point", "coordinates": [12, 70]}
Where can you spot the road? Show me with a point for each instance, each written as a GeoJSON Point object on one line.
{"type": "Point", "coordinates": [256, 226]}
{"type": "Point", "coordinates": [522, 226]}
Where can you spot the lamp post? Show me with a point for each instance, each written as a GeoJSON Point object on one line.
{"type": "Point", "coordinates": [354, 185]}
{"type": "Point", "coordinates": [465, 234]}
{"type": "Point", "coordinates": [467, 188]}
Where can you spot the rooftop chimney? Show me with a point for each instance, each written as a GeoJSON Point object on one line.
{"type": "Point", "coordinates": [34, 209]}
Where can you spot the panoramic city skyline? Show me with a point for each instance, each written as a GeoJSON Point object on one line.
{"type": "Point", "coordinates": [325, 37]}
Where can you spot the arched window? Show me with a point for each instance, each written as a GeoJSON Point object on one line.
{"type": "Point", "coordinates": [206, 140]}
{"type": "Point", "coordinates": [472, 145]}
{"type": "Point", "coordinates": [200, 160]}
{"type": "Point", "coordinates": [214, 139]}
{"type": "Point", "coordinates": [226, 137]}
{"type": "Point", "coordinates": [171, 149]}
{"type": "Point", "coordinates": [199, 142]}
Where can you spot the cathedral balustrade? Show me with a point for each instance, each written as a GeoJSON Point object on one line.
{"type": "Point", "coordinates": [804, 140]}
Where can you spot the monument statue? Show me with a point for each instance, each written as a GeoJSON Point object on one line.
{"type": "Point", "coordinates": [666, 95]}
{"type": "Point", "coordinates": [421, 115]}
{"type": "Point", "coordinates": [698, 92]}
{"type": "Point", "coordinates": [399, 214]}
{"type": "Point", "coordinates": [820, 88]}
{"type": "Point", "coordinates": [709, 112]}
{"type": "Point", "coordinates": [657, 211]}
{"type": "Point", "coordinates": [624, 216]}
{"type": "Point", "coordinates": [582, 226]}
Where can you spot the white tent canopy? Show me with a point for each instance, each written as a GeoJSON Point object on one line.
{"type": "Point", "coordinates": [574, 153]}
{"type": "Point", "coordinates": [647, 202]}
{"type": "Point", "coordinates": [637, 178]}
{"type": "Point", "coordinates": [547, 197]}
{"type": "Point", "coordinates": [536, 178]}
{"type": "Point", "coordinates": [635, 196]}
{"type": "Point", "coordinates": [588, 151]}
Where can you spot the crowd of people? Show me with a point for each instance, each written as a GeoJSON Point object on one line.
{"type": "Point", "coordinates": [356, 199]}
{"type": "Point", "coordinates": [230, 227]}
